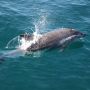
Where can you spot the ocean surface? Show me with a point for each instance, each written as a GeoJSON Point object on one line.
{"type": "Point", "coordinates": [45, 70]}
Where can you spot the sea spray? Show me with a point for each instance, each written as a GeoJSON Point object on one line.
{"type": "Point", "coordinates": [24, 44]}
{"type": "Point", "coordinates": [13, 43]}
{"type": "Point", "coordinates": [20, 45]}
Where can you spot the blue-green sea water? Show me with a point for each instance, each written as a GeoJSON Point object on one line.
{"type": "Point", "coordinates": [50, 70]}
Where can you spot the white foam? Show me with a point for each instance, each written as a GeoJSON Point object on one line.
{"type": "Point", "coordinates": [22, 43]}
{"type": "Point", "coordinates": [27, 43]}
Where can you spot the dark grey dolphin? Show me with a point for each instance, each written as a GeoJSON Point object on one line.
{"type": "Point", "coordinates": [57, 38]}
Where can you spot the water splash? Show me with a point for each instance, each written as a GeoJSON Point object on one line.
{"type": "Point", "coordinates": [24, 44]}
{"type": "Point", "coordinates": [36, 34]}
{"type": "Point", "coordinates": [21, 44]}
{"type": "Point", "coordinates": [13, 43]}
{"type": "Point", "coordinates": [40, 25]}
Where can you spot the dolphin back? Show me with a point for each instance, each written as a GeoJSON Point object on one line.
{"type": "Point", "coordinates": [53, 38]}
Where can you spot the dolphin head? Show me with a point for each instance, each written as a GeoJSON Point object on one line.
{"type": "Point", "coordinates": [78, 33]}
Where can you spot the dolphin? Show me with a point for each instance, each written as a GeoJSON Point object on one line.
{"type": "Point", "coordinates": [56, 38]}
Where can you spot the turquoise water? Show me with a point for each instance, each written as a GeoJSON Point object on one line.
{"type": "Point", "coordinates": [50, 70]}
